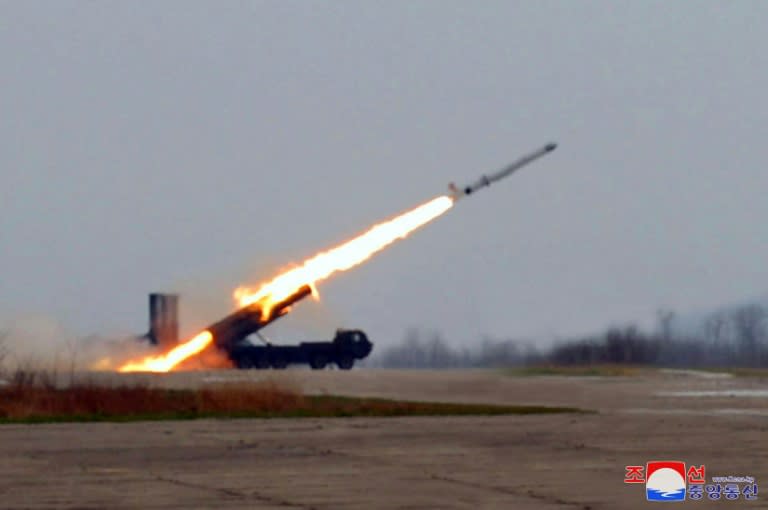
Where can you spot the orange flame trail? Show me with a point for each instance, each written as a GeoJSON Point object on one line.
{"type": "Point", "coordinates": [167, 361]}
{"type": "Point", "coordinates": [344, 256]}
{"type": "Point", "coordinates": [313, 270]}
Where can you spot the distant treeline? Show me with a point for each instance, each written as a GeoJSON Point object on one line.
{"type": "Point", "coordinates": [730, 337]}
{"type": "Point", "coordinates": [431, 351]}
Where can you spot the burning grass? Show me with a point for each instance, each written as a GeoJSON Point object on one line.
{"type": "Point", "coordinates": [32, 399]}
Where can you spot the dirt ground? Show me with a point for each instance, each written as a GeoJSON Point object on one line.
{"type": "Point", "coordinates": [521, 462]}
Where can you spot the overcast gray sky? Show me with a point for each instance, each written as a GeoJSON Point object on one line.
{"type": "Point", "coordinates": [192, 146]}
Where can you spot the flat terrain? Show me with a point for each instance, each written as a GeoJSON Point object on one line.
{"type": "Point", "coordinates": [538, 461]}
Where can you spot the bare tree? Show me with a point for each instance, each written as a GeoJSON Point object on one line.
{"type": "Point", "coordinates": [3, 349]}
{"type": "Point", "coordinates": [749, 323]}
{"type": "Point", "coordinates": [72, 352]}
{"type": "Point", "coordinates": [440, 355]}
{"type": "Point", "coordinates": [715, 328]}
{"type": "Point", "coordinates": [665, 320]}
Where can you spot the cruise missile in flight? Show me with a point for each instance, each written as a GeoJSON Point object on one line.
{"type": "Point", "coordinates": [486, 180]}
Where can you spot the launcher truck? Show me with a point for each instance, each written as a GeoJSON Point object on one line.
{"type": "Point", "coordinates": [231, 336]}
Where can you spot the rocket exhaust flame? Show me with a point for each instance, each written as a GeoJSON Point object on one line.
{"type": "Point", "coordinates": [344, 256]}
{"type": "Point", "coordinates": [167, 361]}
{"type": "Point", "coordinates": [318, 268]}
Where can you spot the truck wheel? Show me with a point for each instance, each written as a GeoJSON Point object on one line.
{"type": "Point", "coordinates": [279, 362]}
{"type": "Point", "coordinates": [261, 362]}
{"type": "Point", "coordinates": [244, 363]}
{"type": "Point", "coordinates": [318, 362]}
{"type": "Point", "coordinates": [345, 362]}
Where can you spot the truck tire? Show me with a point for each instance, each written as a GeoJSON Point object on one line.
{"type": "Point", "coordinates": [245, 362]}
{"type": "Point", "coordinates": [261, 362]}
{"type": "Point", "coordinates": [345, 362]}
{"type": "Point", "coordinates": [318, 362]}
{"type": "Point", "coordinates": [278, 362]}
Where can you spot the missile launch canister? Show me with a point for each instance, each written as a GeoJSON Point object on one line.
{"type": "Point", "coordinates": [236, 326]}
{"type": "Point", "coordinates": [486, 180]}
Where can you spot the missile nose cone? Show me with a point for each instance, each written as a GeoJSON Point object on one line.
{"type": "Point", "coordinates": [550, 147]}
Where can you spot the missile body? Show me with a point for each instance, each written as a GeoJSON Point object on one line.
{"type": "Point", "coordinates": [486, 180]}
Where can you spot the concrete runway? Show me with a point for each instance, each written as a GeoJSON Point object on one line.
{"type": "Point", "coordinates": [523, 462]}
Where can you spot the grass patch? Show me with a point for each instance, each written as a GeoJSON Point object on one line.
{"type": "Point", "coordinates": [30, 401]}
{"type": "Point", "coordinates": [749, 372]}
{"type": "Point", "coordinates": [580, 370]}
{"type": "Point", "coordinates": [741, 372]}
